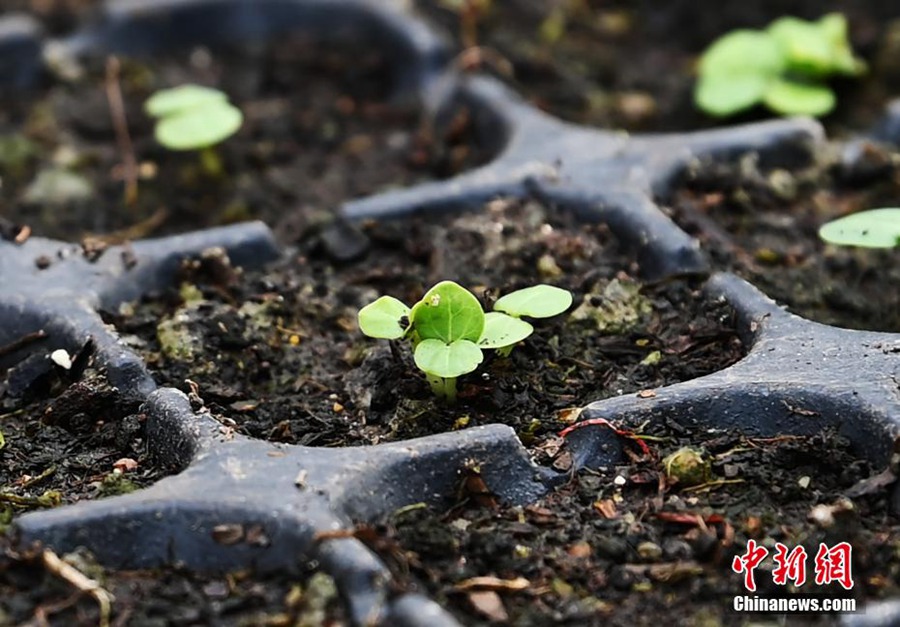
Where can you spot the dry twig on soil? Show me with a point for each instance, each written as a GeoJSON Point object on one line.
{"type": "Point", "coordinates": [80, 582]}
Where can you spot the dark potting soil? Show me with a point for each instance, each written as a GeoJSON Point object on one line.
{"type": "Point", "coordinates": [318, 130]}
{"type": "Point", "coordinates": [631, 65]}
{"type": "Point", "coordinates": [764, 225]}
{"type": "Point", "coordinates": [30, 595]}
{"type": "Point", "coordinates": [279, 352]}
{"type": "Point", "coordinates": [624, 546]}
{"type": "Point", "coordinates": [73, 447]}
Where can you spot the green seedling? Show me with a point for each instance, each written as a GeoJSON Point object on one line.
{"type": "Point", "coordinates": [449, 330]}
{"type": "Point", "coordinates": [783, 67]}
{"type": "Point", "coordinates": [191, 117]}
{"type": "Point", "coordinates": [875, 228]}
{"type": "Point", "coordinates": [447, 322]}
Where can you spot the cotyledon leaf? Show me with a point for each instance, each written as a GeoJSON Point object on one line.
{"type": "Point", "coordinates": [171, 101]}
{"type": "Point", "coordinates": [200, 127]}
{"type": "Point", "coordinates": [448, 312]}
{"type": "Point", "coordinates": [447, 360]}
{"type": "Point", "coordinates": [875, 228]}
{"type": "Point", "coordinates": [794, 98]}
{"type": "Point", "coordinates": [501, 330]}
{"type": "Point", "coordinates": [383, 318]}
{"type": "Point", "coordinates": [538, 301]}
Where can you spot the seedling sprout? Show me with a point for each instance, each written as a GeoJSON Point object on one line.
{"type": "Point", "coordinates": [449, 330]}
{"type": "Point", "coordinates": [192, 117]}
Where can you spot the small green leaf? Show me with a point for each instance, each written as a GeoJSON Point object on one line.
{"type": "Point", "coordinates": [793, 98]}
{"type": "Point", "coordinates": [834, 26]}
{"type": "Point", "coordinates": [818, 48]}
{"type": "Point", "coordinates": [199, 127]}
{"type": "Point", "coordinates": [168, 102]}
{"type": "Point", "coordinates": [875, 228]}
{"type": "Point", "coordinates": [743, 52]}
{"type": "Point", "coordinates": [501, 330]}
{"type": "Point", "coordinates": [382, 318]}
{"type": "Point", "coordinates": [448, 312]}
{"type": "Point", "coordinates": [447, 360]}
{"type": "Point", "coordinates": [807, 47]}
{"type": "Point", "coordinates": [735, 72]}
{"type": "Point", "coordinates": [721, 95]}
{"type": "Point", "coordinates": [539, 301]}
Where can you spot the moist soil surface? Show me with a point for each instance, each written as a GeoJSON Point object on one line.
{"type": "Point", "coordinates": [631, 65]}
{"type": "Point", "coordinates": [626, 546]}
{"type": "Point", "coordinates": [277, 354]}
{"type": "Point", "coordinates": [600, 70]}
{"type": "Point", "coordinates": [763, 224]}
{"type": "Point", "coordinates": [318, 130]}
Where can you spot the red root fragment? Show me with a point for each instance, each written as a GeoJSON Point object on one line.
{"type": "Point", "coordinates": [625, 433]}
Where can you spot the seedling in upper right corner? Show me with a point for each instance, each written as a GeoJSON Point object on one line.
{"type": "Point", "coordinates": [192, 117]}
{"type": "Point", "coordinates": [783, 67]}
{"type": "Point", "coordinates": [875, 228]}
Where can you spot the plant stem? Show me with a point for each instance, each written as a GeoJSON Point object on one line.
{"type": "Point", "coordinates": [443, 388]}
{"type": "Point", "coordinates": [211, 162]}
{"type": "Point", "coordinates": [120, 125]}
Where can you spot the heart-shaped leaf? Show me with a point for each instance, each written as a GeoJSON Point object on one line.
{"type": "Point", "coordinates": [449, 361]}
{"type": "Point", "coordinates": [448, 312]}
{"type": "Point", "coordinates": [199, 127]}
{"type": "Point", "coordinates": [501, 330]}
{"type": "Point", "coordinates": [876, 228]}
{"type": "Point", "coordinates": [539, 301]}
{"type": "Point", "coordinates": [384, 318]}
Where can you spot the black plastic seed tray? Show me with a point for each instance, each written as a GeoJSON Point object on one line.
{"type": "Point", "coordinates": [847, 379]}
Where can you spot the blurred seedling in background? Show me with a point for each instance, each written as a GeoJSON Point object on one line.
{"type": "Point", "coordinates": [783, 67]}
{"type": "Point", "coordinates": [192, 117]}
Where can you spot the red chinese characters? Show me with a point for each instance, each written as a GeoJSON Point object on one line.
{"type": "Point", "coordinates": [748, 562]}
{"type": "Point", "coordinates": [789, 566]}
{"type": "Point", "coordinates": [832, 565]}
